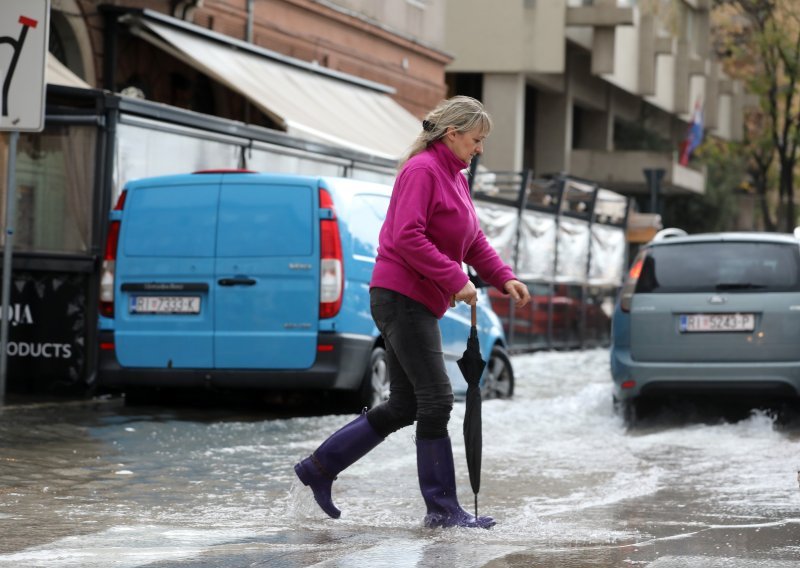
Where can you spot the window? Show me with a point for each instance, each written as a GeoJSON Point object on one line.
{"type": "Point", "coordinates": [729, 267]}
{"type": "Point", "coordinates": [55, 181]}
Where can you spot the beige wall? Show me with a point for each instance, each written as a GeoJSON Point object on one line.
{"type": "Point", "coordinates": [504, 97]}
{"type": "Point", "coordinates": [505, 36]}
{"type": "Point", "coordinates": [531, 37]}
{"type": "Point", "coordinates": [614, 59]}
{"type": "Point", "coordinates": [420, 20]}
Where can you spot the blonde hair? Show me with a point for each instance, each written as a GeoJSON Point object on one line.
{"type": "Point", "coordinates": [460, 112]}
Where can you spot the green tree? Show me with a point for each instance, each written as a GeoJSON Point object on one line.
{"type": "Point", "coordinates": [759, 43]}
{"type": "Point", "coordinates": [758, 154]}
{"type": "Point", "coordinates": [715, 210]}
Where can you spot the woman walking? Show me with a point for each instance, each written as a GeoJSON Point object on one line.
{"type": "Point", "coordinates": [430, 229]}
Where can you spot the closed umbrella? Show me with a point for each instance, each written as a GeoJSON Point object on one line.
{"type": "Point", "coordinates": [472, 365]}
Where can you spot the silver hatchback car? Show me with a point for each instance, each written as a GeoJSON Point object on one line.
{"type": "Point", "coordinates": [709, 314]}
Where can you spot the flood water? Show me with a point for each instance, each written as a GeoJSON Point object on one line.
{"type": "Point", "coordinates": [98, 484]}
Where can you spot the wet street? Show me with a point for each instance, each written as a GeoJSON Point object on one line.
{"type": "Point", "coordinates": [99, 484]}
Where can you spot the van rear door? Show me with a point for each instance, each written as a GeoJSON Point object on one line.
{"type": "Point", "coordinates": [267, 272]}
{"type": "Point", "coordinates": [165, 273]}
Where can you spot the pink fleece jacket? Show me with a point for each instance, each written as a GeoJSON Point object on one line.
{"type": "Point", "coordinates": [431, 228]}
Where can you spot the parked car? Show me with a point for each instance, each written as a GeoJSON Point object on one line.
{"type": "Point", "coordinates": [253, 280]}
{"type": "Point", "coordinates": [558, 316]}
{"type": "Point", "coordinates": [711, 314]}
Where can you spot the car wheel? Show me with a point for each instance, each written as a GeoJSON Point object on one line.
{"type": "Point", "coordinates": [375, 386]}
{"type": "Point", "coordinates": [499, 378]}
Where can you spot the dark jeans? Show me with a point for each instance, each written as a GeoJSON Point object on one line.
{"type": "Point", "coordinates": [419, 388]}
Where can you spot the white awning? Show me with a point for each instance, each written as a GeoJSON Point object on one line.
{"type": "Point", "coordinates": [324, 107]}
{"type": "Point", "coordinates": [56, 73]}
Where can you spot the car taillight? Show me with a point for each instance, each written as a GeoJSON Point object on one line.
{"type": "Point", "coordinates": [331, 281]}
{"type": "Point", "coordinates": [109, 263]}
{"type": "Point", "coordinates": [626, 295]}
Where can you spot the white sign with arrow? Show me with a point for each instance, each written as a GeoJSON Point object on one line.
{"type": "Point", "coordinates": [24, 31]}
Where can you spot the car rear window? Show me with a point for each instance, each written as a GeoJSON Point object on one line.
{"type": "Point", "coordinates": [720, 267]}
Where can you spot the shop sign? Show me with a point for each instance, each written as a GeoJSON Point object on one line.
{"type": "Point", "coordinates": [46, 323]}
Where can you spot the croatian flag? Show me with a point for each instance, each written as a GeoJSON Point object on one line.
{"type": "Point", "coordinates": [694, 136]}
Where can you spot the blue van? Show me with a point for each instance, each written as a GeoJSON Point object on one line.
{"type": "Point", "coordinates": [234, 279]}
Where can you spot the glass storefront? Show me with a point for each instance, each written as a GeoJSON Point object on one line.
{"type": "Point", "coordinates": [55, 172]}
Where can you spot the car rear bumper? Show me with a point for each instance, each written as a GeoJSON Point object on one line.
{"type": "Point", "coordinates": [340, 367]}
{"type": "Point", "coordinates": [634, 379]}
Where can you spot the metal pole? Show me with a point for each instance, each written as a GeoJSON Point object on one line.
{"type": "Point", "coordinates": [250, 17]}
{"type": "Point", "coordinates": [654, 177]}
{"type": "Point", "coordinates": [11, 212]}
{"type": "Point", "coordinates": [473, 170]}
{"type": "Point", "coordinates": [522, 199]}
{"type": "Point", "coordinates": [562, 184]}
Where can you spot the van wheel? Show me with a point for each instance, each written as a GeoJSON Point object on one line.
{"type": "Point", "coordinates": [499, 377]}
{"type": "Point", "coordinates": [375, 386]}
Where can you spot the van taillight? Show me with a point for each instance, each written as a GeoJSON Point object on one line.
{"type": "Point", "coordinates": [331, 280]}
{"type": "Point", "coordinates": [109, 263]}
{"type": "Point", "coordinates": [626, 295]}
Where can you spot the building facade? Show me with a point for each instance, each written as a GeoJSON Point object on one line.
{"type": "Point", "coordinates": [601, 90]}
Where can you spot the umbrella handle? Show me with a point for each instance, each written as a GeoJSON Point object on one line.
{"type": "Point", "coordinates": [474, 315]}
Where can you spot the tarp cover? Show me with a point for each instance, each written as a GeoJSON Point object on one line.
{"type": "Point", "coordinates": [499, 224]}
{"type": "Point", "coordinates": [608, 255]}
{"type": "Point", "coordinates": [602, 251]}
{"type": "Point", "coordinates": [573, 251]}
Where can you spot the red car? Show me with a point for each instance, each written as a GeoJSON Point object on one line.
{"type": "Point", "coordinates": [556, 317]}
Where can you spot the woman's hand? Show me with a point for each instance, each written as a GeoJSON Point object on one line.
{"type": "Point", "coordinates": [468, 294]}
{"type": "Point", "coordinates": [518, 291]}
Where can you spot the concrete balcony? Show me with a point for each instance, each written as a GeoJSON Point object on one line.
{"type": "Point", "coordinates": [599, 15]}
{"type": "Point", "coordinates": [650, 47]}
{"type": "Point", "coordinates": [603, 17]}
{"type": "Point", "coordinates": [699, 4]}
{"type": "Point", "coordinates": [624, 171]}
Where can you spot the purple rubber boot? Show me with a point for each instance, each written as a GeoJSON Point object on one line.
{"type": "Point", "coordinates": [345, 447]}
{"type": "Point", "coordinates": [437, 481]}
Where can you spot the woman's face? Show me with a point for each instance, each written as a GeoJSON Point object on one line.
{"type": "Point", "coordinates": [465, 145]}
